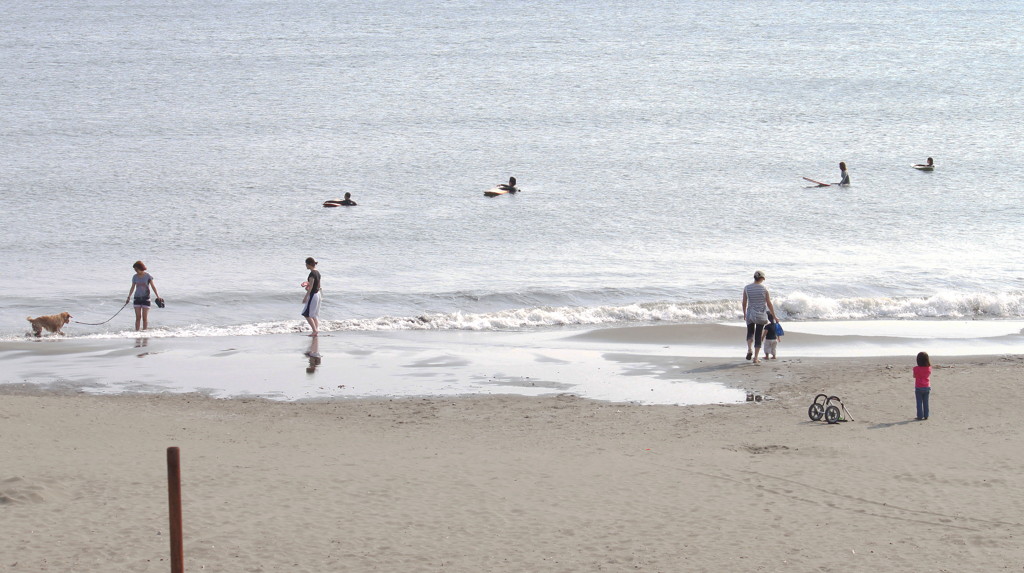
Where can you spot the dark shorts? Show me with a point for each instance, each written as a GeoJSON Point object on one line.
{"type": "Point", "coordinates": [141, 302]}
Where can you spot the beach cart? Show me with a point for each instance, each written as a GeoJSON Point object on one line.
{"type": "Point", "coordinates": [829, 407]}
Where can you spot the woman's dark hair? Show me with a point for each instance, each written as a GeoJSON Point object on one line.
{"type": "Point", "coordinates": [139, 266]}
{"type": "Point", "coordinates": [923, 360]}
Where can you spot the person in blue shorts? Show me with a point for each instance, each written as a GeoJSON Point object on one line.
{"type": "Point", "coordinates": [142, 282]}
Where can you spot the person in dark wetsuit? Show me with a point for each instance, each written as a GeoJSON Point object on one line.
{"type": "Point", "coordinates": [844, 175]}
{"type": "Point", "coordinates": [346, 202]}
{"type": "Point", "coordinates": [510, 186]}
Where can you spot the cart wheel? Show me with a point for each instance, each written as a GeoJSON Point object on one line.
{"type": "Point", "coordinates": [832, 415]}
{"type": "Point", "coordinates": [815, 412]}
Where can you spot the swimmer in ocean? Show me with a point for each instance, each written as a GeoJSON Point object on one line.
{"type": "Point", "coordinates": [510, 186]}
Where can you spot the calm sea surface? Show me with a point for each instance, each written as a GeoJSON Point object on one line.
{"type": "Point", "coordinates": [659, 146]}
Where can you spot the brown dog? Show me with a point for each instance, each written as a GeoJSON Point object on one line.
{"type": "Point", "coordinates": [53, 323]}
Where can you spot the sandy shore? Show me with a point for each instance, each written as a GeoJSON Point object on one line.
{"type": "Point", "coordinates": [518, 483]}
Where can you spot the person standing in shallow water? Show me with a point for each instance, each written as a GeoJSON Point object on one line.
{"type": "Point", "coordinates": [844, 175]}
{"type": "Point", "coordinates": [142, 282]}
{"type": "Point", "coordinates": [311, 310]}
{"type": "Point", "coordinates": [756, 304]}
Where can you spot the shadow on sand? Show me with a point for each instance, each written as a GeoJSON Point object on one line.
{"type": "Point", "coordinates": [891, 424]}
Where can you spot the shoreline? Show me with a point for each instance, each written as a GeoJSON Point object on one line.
{"type": "Point", "coordinates": [651, 364]}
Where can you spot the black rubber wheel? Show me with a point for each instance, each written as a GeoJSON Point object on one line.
{"type": "Point", "coordinates": [832, 415]}
{"type": "Point", "coordinates": [815, 412]}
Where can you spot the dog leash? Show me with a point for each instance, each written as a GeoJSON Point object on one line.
{"type": "Point", "coordinates": [105, 321]}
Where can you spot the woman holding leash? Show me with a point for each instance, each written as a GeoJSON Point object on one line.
{"type": "Point", "coordinates": [142, 282]}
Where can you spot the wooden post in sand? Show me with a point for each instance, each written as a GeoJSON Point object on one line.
{"type": "Point", "coordinates": [174, 499]}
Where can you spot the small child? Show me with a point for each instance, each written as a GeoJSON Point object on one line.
{"type": "Point", "coordinates": [771, 336]}
{"type": "Point", "coordinates": [922, 384]}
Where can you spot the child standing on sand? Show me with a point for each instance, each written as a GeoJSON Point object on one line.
{"type": "Point", "coordinates": [771, 336]}
{"type": "Point", "coordinates": [922, 384]}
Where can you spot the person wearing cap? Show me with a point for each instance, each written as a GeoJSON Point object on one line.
{"type": "Point", "coordinates": [311, 310]}
{"type": "Point", "coordinates": [756, 304]}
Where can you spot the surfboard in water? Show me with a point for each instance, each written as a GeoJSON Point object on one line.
{"type": "Point", "coordinates": [818, 183]}
{"type": "Point", "coordinates": [922, 167]}
{"type": "Point", "coordinates": [494, 192]}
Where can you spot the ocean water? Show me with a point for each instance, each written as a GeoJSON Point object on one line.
{"type": "Point", "coordinates": [659, 149]}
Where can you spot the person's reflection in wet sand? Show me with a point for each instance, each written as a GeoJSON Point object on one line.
{"type": "Point", "coordinates": [142, 343]}
{"type": "Point", "coordinates": [314, 355]}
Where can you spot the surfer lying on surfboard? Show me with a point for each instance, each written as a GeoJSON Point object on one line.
{"type": "Point", "coordinates": [925, 166]}
{"type": "Point", "coordinates": [503, 188]}
{"type": "Point", "coordinates": [347, 202]}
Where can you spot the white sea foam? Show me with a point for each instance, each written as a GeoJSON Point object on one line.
{"type": "Point", "coordinates": [796, 307]}
{"type": "Point", "coordinates": [944, 305]}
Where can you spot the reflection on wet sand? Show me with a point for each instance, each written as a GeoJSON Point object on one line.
{"type": "Point", "coordinates": [314, 355]}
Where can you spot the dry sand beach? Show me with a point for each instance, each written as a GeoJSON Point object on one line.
{"type": "Point", "coordinates": [522, 483]}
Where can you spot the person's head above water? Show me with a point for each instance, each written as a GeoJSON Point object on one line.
{"type": "Point", "coordinates": [511, 181]}
{"type": "Point", "coordinates": [758, 275]}
{"type": "Point", "coordinates": [348, 195]}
